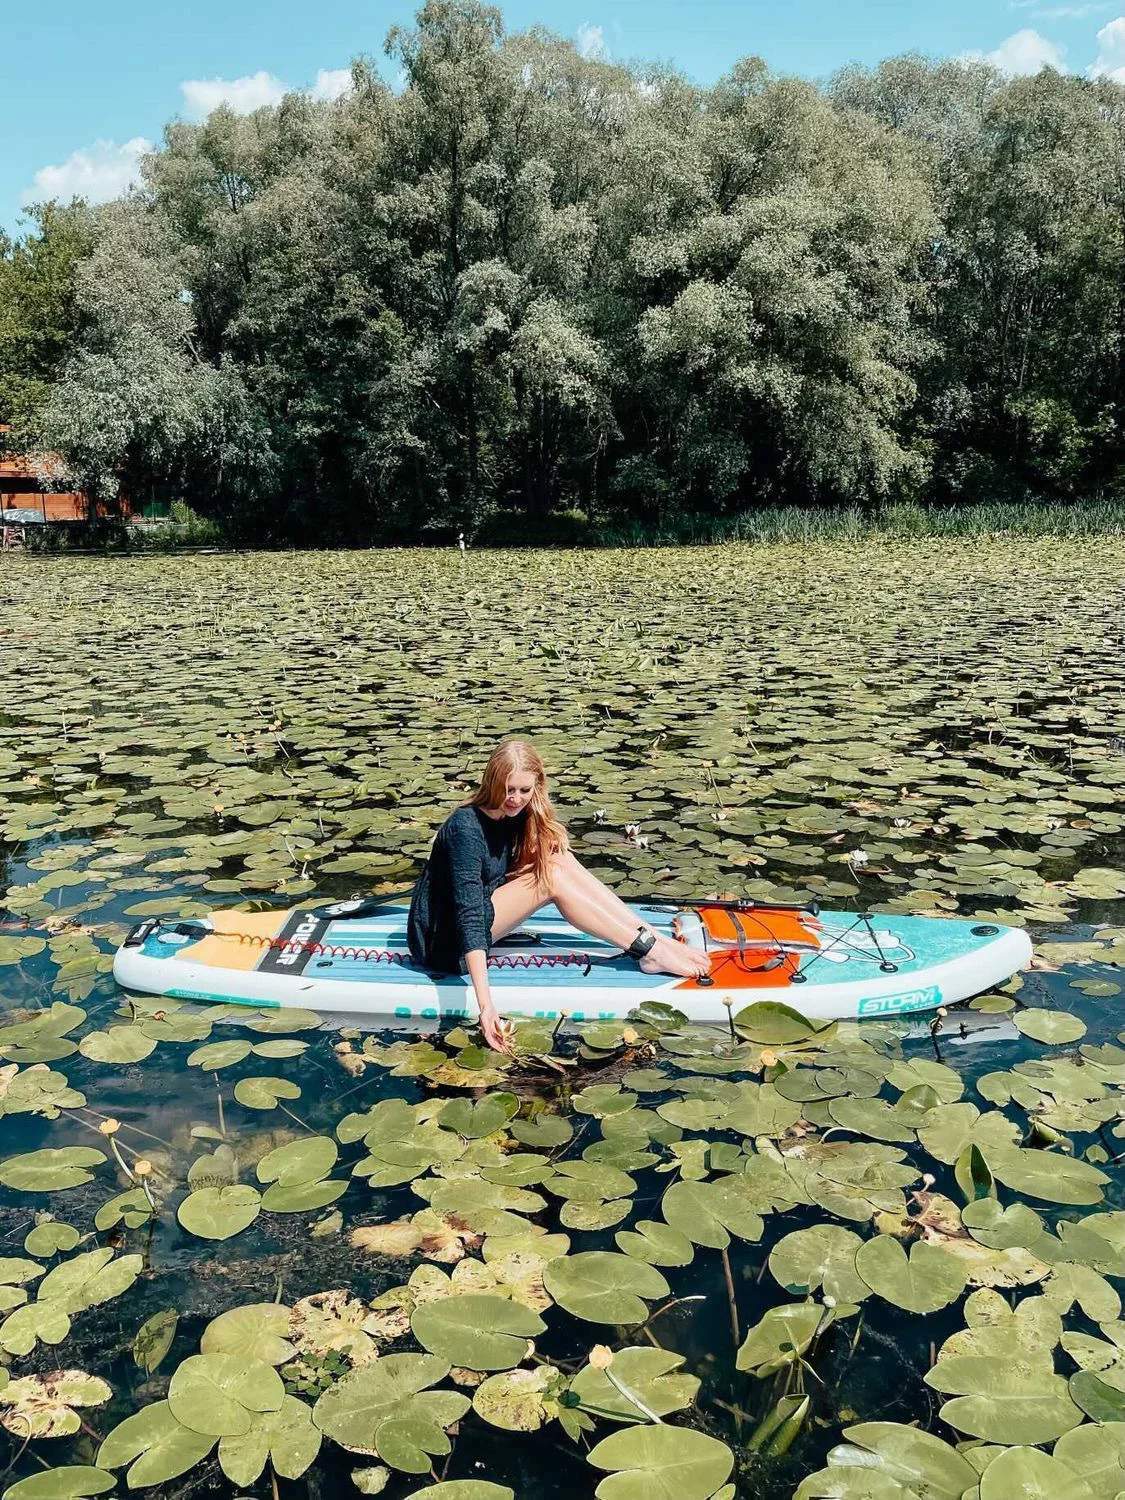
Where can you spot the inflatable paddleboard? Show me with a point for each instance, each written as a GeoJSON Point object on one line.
{"type": "Point", "coordinates": [351, 957]}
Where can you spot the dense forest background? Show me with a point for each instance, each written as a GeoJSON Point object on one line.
{"type": "Point", "coordinates": [527, 286]}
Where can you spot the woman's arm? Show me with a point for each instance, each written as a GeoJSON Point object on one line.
{"type": "Point", "coordinates": [476, 962]}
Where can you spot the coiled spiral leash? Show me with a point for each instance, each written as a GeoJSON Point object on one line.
{"type": "Point", "coordinates": [394, 956]}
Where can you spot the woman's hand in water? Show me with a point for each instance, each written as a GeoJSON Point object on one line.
{"type": "Point", "coordinates": [497, 1032]}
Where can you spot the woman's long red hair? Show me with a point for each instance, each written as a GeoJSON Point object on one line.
{"type": "Point", "coordinates": [543, 835]}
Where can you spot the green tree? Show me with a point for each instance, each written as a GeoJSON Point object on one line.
{"type": "Point", "coordinates": [39, 315]}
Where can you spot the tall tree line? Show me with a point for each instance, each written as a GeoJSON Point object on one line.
{"type": "Point", "coordinates": [527, 281]}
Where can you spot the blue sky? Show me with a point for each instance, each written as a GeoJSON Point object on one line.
{"type": "Point", "coordinates": [86, 87]}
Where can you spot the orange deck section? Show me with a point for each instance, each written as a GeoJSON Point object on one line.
{"type": "Point", "coordinates": [763, 934]}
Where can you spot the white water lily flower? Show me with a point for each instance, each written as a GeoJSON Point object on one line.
{"type": "Point", "coordinates": [857, 858]}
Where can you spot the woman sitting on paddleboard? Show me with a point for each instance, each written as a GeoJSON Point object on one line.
{"type": "Point", "coordinates": [498, 858]}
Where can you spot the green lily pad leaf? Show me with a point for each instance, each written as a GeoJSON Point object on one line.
{"type": "Point", "coordinates": [15, 1271]}
{"type": "Point", "coordinates": [365, 1412]}
{"type": "Point", "coordinates": [215, 1394]}
{"type": "Point", "coordinates": [544, 1132]}
{"type": "Point", "coordinates": [1100, 1401]}
{"type": "Point", "coordinates": [993, 1005]}
{"type": "Point", "coordinates": [771, 1342]}
{"type": "Point", "coordinates": [693, 1114]}
{"type": "Point", "coordinates": [155, 1445]}
{"type": "Point", "coordinates": [302, 1161]}
{"type": "Point", "coordinates": [289, 1018]}
{"type": "Point", "coordinates": [464, 1489]}
{"type": "Point", "coordinates": [71, 1482]}
{"type": "Point", "coordinates": [120, 1044]}
{"type": "Point", "coordinates": [660, 1463]}
{"type": "Point", "coordinates": [1070, 1283]}
{"type": "Point", "coordinates": [85, 1280]}
{"type": "Point", "coordinates": [658, 1244]}
{"type": "Point", "coordinates": [927, 1279]}
{"type": "Point", "coordinates": [589, 1181]}
{"type": "Point", "coordinates": [477, 1331]}
{"type": "Point", "coordinates": [286, 1437]}
{"type": "Point", "coordinates": [821, 1256]}
{"type": "Point", "coordinates": [1004, 1398]}
{"type": "Point", "coordinates": [215, 1055]}
{"type": "Point", "coordinates": [176, 1026]}
{"type": "Point", "coordinates": [947, 1084]}
{"type": "Point", "coordinates": [302, 1198]}
{"type": "Point", "coordinates": [603, 1099]}
{"type": "Point", "coordinates": [1097, 1453]}
{"type": "Point", "coordinates": [154, 1338]}
{"type": "Point", "coordinates": [371, 1481]}
{"type": "Point", "coordinates": [872, 1117]}
{"type": "Point", "coordinates": [1047, 1175]}
{"type": "Point", "coordinates": [14, 950]}
{"type": "Point", "coordinates": [264, 1092]}
{"type": "Point", "coordinates": [652, 1376]}
{"type": "Point", "coordinates": [774, 1025]}
{"type": "Point", "coordinates": [37, 1322]}
{"type": "Point", "coordinates": [50, 1170]}
{"type": "Point", "coordinates": [761, 1110]}
{"type": "Point", "coordinates": [592, 1216]}
{"type": "Point", "coordinates": [256, 1331]}
{"type": "Point", "coordinates": [518, 1400]}
{"type": "Point", "coordinates": [706, 1211]}
{"type": "Point", "coordinates": [130, 1207]}
{"type": "Point", "coordinates": [600, 1286]}
{"type": "Point", "coordinates": [283, 1047]}
{"type": "Point", "coordinates": [1031, 1475]}
{"type": "Point", "coordinates": [217, 1213]}
{"type": "Point", "coordinates": [1016, 1227]}
{"type": "Point", "coordinates": [1054, 1027]}
{"type": "Point", "coordinates": [486, 1117]}
{"type": "Point", "coordinates": [897, 1460]}
{"type": "Point", "coordinates": [51, 1237]}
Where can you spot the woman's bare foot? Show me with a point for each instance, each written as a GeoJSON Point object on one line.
{"type": "Point", "coordinates": [670, 957]}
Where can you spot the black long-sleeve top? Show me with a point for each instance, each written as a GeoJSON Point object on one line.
{"type": "Point", "coordinates": [451, 909]}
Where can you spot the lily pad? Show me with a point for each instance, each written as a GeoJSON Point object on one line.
{"type": "Point", "coordinates": [646, 1382]}
{"type": "Point", "coordinates": [71, 1482]}
{"type": "Point", "coordinates": [823, 1256]}
{"type": "Point", "coordinates": [51, 1169]}
{"type": "Point", "coordinates": [386, 1408]}
{"type": "Point", "coordinates": [1032, 1475]}
{"type": "Point", "coordinates": [660, 1463]}
{"type": "Point", "coordinates": [479, 1332]}
{"type": "Point", "coordinates": [286, 1438]}
{"type": "Point", "coordinates": [602, 1287]}
{"type": "Point", "coordinates": [156, 1447]}
{"type": "Point", "coordinates": [215, 1394]}
{"type": "Point", "coordinates": [217, 1213]}
{"type": "Point", "coordinates": [1054, 1027]}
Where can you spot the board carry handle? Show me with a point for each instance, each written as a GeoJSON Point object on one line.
{"type": "Point", "coordinates": [677, 903]}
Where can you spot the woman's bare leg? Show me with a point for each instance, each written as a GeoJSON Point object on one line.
{"type": "Point", "coordinates": [517, 898]}
{"type": "Point", "coordinates": [598, 891]}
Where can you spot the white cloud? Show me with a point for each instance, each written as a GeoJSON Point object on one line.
{"type": "Point", "coordinates": [590, 41]}
{"type": "Point", "coordinates": [242, 95]}
{"type": "Point", "coordinates": [331, 83]}
{"type": "Point", "coordinates": [1023, 53]}
{"type": "Point", "coordinates": [1110, 61]}
{"type": "Point", "coordinates": [97, 173]}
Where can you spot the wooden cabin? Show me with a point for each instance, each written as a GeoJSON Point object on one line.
{"type": "Point", "coordinates": [27, 498]}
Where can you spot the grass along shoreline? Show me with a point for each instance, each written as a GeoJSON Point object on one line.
{"type": "Point", "coordinates": [1098, 518]}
